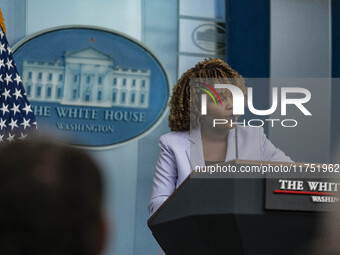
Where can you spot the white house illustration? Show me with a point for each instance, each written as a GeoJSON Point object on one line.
{"type": "Point", "coordinates": [87, 78]}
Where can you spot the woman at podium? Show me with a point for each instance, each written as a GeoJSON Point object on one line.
{"type": "Point", "coordinates": [194, 140]}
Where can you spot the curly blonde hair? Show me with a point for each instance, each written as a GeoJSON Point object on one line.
{"type": "Point", "coordinates": [181, 118]}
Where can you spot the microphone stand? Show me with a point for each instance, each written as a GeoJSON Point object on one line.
{"type": "Point", "coordinates": [236, 145]}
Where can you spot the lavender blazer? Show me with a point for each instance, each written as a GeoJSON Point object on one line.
{"type": "Point", "coordinates": [182, 151]}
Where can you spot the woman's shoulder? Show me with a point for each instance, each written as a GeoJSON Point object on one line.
{"type": "Point", "coordinates": [175, 139]}
{"type": "Point", "coordinates": [175, 135]}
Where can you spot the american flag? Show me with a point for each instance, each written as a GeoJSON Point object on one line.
{"type": "Point", "coordinates": [16, 114]}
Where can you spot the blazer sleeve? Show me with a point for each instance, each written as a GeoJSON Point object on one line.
{"type": "Point", "coordinates": [269, 151]}
{"type": "Point", "coordinates": [165, 178]}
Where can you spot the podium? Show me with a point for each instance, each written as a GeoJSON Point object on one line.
{"type": "Point", "coordinates": [212, 216]}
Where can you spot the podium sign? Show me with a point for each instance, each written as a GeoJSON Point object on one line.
{"type": "Point", "coordinates": [302, 194]}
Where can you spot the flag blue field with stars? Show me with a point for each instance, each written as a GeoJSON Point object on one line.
{"type": "Point", "coordinates": [16, 114]}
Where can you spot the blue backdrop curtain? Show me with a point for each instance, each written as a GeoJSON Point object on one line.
{"type": "Point", "coordinates": [248, 46]}
{"type": "Point", "coordinates": [335, 120]}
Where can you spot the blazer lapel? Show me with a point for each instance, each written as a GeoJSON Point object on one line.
{"type": "Point", "coordinates": [195, 151]}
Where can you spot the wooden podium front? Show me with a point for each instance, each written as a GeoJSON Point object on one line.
{"type": "Point", "coordinates": [222, 215]}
